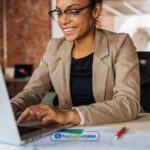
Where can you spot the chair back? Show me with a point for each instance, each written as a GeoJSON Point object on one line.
{"type": "Point", "coordinates": [144, 64]}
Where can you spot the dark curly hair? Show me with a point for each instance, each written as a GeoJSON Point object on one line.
{"type": "Point", "coordinates": [94, 2]}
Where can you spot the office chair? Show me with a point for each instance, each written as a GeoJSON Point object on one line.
{"type": "Point", "coordinates": [144, 64]}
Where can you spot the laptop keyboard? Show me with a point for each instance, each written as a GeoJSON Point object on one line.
{"type": "Point", "coordinates": [28, 127]}
{"type": "Point", "coordinates": [25, 130]}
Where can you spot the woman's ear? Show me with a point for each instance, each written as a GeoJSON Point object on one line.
{"type": "Point", "coordinates": [97, 10]}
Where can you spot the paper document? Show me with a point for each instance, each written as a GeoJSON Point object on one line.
{"type": "Point", "coordinates": [135, 140]}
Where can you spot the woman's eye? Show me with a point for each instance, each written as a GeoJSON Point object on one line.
{"type": "Point", "coordinates": [73, 11]}
{"type": "Point", "coordinates": [59, 13]}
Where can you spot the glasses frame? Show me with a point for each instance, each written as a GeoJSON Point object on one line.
{"type": "Point", "coordinates": [68, 11]}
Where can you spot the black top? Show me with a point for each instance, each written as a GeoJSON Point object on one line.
{"type": "Point", "coordinates": [81, 81]}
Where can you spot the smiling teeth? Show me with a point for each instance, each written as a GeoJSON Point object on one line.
{"type": "Point", "coordinates": [68, 29]}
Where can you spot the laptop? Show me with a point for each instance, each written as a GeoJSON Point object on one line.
{"type": "Point", "coordinates": [10, 132]}
{"type": "Point", "coordinates": [23, 70]}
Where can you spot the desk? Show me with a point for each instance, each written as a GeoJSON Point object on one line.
{"type": "Point", "coordinates": [141, 123]}
{"type": "Point", "coordinates": [15, 85]}
{"type": "Point", "coordinates": [17, 79]}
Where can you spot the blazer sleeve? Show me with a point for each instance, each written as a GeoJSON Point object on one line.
{"type": "Point", "coordinates": [125, 104]}
{"type": "Point", "coordinates": [38, 85]}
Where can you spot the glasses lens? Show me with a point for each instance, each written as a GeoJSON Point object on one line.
{"type": "Point", "coordinates": [71, 14]}
{"type": "Point", "coordinates": [54, 15]}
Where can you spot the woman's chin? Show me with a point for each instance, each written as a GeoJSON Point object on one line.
{"type": "Point", "coordinates": [70, 39]}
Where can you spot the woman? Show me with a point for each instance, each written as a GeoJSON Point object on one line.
{"type": "Point", "coordinates": [94, 72]}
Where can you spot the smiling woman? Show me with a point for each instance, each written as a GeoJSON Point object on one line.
{"type": "Point", "coordinates": [94, 72]}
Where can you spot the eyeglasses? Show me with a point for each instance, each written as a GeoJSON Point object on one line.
{"type": "Point", "coordinates": [70, 13]}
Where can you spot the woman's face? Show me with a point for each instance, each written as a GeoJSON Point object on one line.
{"type": "Point", "coordinates": [78, 26]}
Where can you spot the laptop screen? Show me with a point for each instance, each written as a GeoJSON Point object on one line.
{"type": "Point", "coordinates": [23, 70]}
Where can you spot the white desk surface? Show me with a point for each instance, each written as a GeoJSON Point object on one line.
{"type": "Point", "coordinates": [142, 123]}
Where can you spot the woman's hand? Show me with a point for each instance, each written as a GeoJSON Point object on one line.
{"type": "Point", "coordinates": [48, 114]}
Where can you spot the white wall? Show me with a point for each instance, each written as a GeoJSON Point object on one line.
{"type": "Point", "coordinates": [56, 32]}
{"type": "Point", "coordinates": [130, 24]}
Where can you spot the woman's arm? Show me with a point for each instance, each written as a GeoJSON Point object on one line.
{"type": "Point", "coordinates": [37, 87]}
{"type": "Point", "coordinates": [47, 114]}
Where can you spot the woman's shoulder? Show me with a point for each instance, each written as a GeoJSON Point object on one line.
{"type": "Point", "coordinates": [55, 42]}
{"type": "Point", "coordinates": [54, 45]}
{"type": "Point", "coordinates": [113, 35]}
{"type": "Point", "coordinates": [115, 38]}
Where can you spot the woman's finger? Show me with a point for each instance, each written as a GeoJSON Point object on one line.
{"type": "Point", "coordinates": [23, 116]}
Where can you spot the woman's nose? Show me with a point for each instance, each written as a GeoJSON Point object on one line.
{"type": "Point", "coordinates": [64, 19]}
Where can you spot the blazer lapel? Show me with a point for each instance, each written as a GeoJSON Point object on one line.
{"type": "Point", "coordinates": [66, 63]}
{"type": "Point", "coordinates": [100, 69]}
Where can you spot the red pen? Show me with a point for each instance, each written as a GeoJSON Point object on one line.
{"type": "Point", "coordinates": [120, 133]}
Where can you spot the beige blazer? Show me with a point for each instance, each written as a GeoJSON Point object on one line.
{"type": "Point", "coordinates": [116, 81]}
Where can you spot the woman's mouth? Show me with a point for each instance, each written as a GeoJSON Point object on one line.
{"type": "Point", "coordinates": [68, 30]}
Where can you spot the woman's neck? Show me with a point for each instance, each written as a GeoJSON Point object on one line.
{"type": "Point", "coordinates": [84, 47]}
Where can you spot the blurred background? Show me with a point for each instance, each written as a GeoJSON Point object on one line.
{"type": "Point", "coordinates": [25, 29]}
